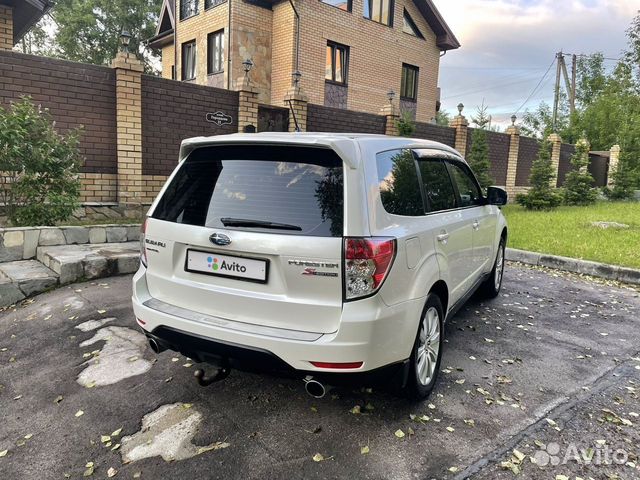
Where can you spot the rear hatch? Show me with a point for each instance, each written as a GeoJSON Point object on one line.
{"type": "Point", "coordinates": [252, 233]}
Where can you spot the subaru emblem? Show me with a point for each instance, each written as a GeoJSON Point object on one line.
{"type": "Point", "coordinates": [220, 239]}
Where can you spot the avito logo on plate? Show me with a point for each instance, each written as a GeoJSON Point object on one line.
{"type": "Point", "coordinates": [233, 267]}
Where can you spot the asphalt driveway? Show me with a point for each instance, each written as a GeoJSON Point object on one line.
{"type": "Point", "coordinates": [548, 371]}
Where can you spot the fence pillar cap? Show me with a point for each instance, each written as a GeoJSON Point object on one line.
{"type": "Point", "coordinates": [459, 121]}
{"type": "Point", "coordinates": [127, 61]}
{"type": "Point", "coordinates": [555, 138]}
{"type": "Point", "coordinates": [513, 130]}
{"type": "Point", "coordinates": [243, 84]}
{"type": "Point", "coordinates": [389, 110]}
{"type": "Point", "coordinates": [616, 148]}
{"type": "Point", "coordinates": [297, 94]}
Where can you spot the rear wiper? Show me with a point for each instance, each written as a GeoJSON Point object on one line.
{"type": "Point", "coordinates": [245, 222]}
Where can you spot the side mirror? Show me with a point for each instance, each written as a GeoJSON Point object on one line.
{"type": "Point", "coordinates": [496, 196]}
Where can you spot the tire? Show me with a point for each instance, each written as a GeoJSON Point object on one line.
{"type": "Point", "coordinates": [490, 288]}
{"type": "Point", "coordinates": [427, 351]}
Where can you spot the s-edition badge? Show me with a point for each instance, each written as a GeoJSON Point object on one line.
{"type": "Point", "coordinates": [311, 268]}
{"type": "Point", "coordinates": [220, 239]}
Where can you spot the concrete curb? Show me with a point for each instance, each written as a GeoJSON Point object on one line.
{"type": "Point", "coordinates": [585, 267]}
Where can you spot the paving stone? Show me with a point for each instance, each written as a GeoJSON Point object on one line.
{"type": "Point", "coordinates": [31, 238]}
{"type": "Point", "coordinates": [97, 235]}
{"type": "Point", "coordinates": [13, 238]}
{"type": "Point", "coordinates": [9, 292]}
{"type": "Point", "coordinates": [51, 236]}
{"type": "Point", "coordinates": [76, 235]}
{"type": "Point", "coordinates": [31, 276]}
{"type": "Point", "coordinates": [116, 234]}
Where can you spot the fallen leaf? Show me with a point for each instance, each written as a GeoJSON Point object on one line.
{"type": "Point", "coordinates": [3, 453]}
{"type": "Point", "coordinates": [58, 399]}
{"type": "Point", "coordinates": [518, 454]}
{"type": "Point", "coordinates": [102, 311]}
{"type": "Point", "coordinates": [318, 457]}
{"type": "Point", "coordinates": [399, 433]}
{"type": "Point", "coordinates": [488, 340]}
{"type": "Point", "coordinates": [116, 432]}
{"type": "Point", "coordinates": [453, 469]}
{"type": "Point", "coordinates": [355, 410]}
{"type": "Point", "coordinates": [213, 446]}
{"type": "Point", "coordinates": [105, 438]}
{"type": "Point", "coordinates": [28, 436]}
{"type": "Point", "coordinates": [111, 472]}
{"type": "Point", "coordinates": [451, 429]}
{"type": "Point", "coordinates": [364, 450]}
{"type": "Point", "coordinates": [79, 413]}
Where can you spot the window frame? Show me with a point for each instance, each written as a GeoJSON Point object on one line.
{"type": "Point", "coordinates": [345, 68]}
{"type": "Point", "coordinates": [416, 70]}
{"type": "Point", "coordinates": [349, 5]}
{"type": "Point", "coordinates": [216, 3]}
{"type": "Point", "coordinates": [210, 70]}
{"type": "Point", "coordinates": [195, 11]}
{"type": "Point", "coordinates": [195, 60]}
{"type": "Point", "coordinates": [406, 16]}
{"type": "Point", "coordinates": [370, 4]}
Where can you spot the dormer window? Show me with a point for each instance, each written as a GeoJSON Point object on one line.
{"type": "Point", "coordinates": [409, 26]}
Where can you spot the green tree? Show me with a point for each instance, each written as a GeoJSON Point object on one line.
{"type": "Point", "coordinates": [40, 184]}
{"type": "Point", "coordinates": [443, 118]}
{"type": "Point", "coordinates": [578, 184]}
{"type": "Point", "coordinates": [89, 30]}
{"type": "Point", "coordinates": [478, 156]}
{"type": "Point", "coordinates": [405, 124]}
{"type": "Point", "coordinates": [591, 78]}
{"type": "Point", "coordinates": [541, 195]}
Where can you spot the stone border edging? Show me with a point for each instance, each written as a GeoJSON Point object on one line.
{"type": "Point", "coordinates": [585, 267]}
{"type": "Point", "coordinates": [21, 243]}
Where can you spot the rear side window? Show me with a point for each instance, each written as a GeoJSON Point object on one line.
{"type": "Point", "coordinates": [437, 185]}
{"type": "Point", "coordinates": [399, 184]}
{"type": "Point", "coordinates": [285, 190]}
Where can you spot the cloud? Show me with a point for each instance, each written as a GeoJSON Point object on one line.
{"type": "Point", "coordinates": [507, 46]}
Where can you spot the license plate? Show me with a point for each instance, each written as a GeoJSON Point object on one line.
{"type": "Point", "coordinates": [239, 268]}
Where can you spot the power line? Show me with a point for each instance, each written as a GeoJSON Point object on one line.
{"type": "Point", "coordinates": [493, 87]}
{"type": "Point", "coordinates": [536, 87]}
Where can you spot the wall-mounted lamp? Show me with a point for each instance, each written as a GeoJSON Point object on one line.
{"type": "Point", "coordinates": [247, 65]}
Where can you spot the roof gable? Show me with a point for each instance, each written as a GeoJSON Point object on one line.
{"type": "Point", "coordinates": [167, 21]}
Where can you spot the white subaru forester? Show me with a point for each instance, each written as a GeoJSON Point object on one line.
{"type": "Point", "coordinates": [335, 257]}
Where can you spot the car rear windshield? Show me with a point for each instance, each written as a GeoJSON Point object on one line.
{"type": "Point", "coordinates": [285, 190]}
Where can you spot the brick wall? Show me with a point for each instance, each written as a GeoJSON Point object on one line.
{"type": "Point", "coordinates": [564, 167]}
{"type": "Point", "coordinates": [326, 119]}
{"type": "Point", "coordinates": [528, 152]}
{"type": "Point", "coordinates": [498, 156]}
{"type": "Point", "coordinates": [6, 27]}
{"type": "Point", "coordinates": [173, 111]}
{"type": "Point", "coordinates": [437, 133]}
{"type": "Point", "coordinates": [75, 94]}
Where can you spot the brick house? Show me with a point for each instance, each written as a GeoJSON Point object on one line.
{"type": "Point", "coordinates": [350, 53]}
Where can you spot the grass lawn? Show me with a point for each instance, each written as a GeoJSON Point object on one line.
{"type": "Point", "coordinates": [567, 231]}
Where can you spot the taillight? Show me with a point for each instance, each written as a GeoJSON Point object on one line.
{"type": "Point", "coordinates": [366, 264]}
{"type": "Point", "coordinates": [143, 251]}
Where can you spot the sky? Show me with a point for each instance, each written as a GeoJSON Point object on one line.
{"type": "Point", "coordinates": [508, 45]}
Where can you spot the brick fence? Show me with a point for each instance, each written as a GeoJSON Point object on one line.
{"type": "Point", "coordinates": [132, 124]}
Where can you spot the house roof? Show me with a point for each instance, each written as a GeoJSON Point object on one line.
{"type": "Point", "coordinates": [26, 14]}
{"type": "Point", "coordinates": [166, 25]}
{"type": "Point", "coordinates": [445, 39]}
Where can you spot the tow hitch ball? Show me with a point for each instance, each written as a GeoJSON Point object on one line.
{"type": "Point", "coordinates": [219, 374]}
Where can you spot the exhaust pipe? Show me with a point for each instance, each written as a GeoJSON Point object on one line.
{"type": "Point", "coordinates": [314, 387]}
{"type": "Point", "coordinates": [156, 345]}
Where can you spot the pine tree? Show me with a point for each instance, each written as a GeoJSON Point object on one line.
{"type": "Point", "coordinates": [478, 157]}
{"type": "Point", "coordinates": [578, 185]}
{"type": "Point", "coordinates": [541, 196]}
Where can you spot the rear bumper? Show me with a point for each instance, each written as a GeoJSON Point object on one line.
{"type": "Point", "coordinates": [371, 332]}
{"type": "Point", "coordinates": [251, 359]}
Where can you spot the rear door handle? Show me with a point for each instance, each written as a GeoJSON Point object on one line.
{"type": "Point", "coordinates": [443, 237]}
{"type": "Point", "coordinates": [476, 225]}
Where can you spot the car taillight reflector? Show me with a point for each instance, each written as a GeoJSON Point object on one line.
{"type": "Point", "coordinates": [337, 366]}
{"type": "Point", "coordinates": [367, 262]}
{"type": "Point", "coordinates": [143, 251]}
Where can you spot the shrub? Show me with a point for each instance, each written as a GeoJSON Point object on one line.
{"type": "Point", "coordinates": [40, 184]}
{"type": "Point", "coordinates": [625, 181]}
{"type": "Point", "coordinates": [578, 184]}
{"type": "Point", "coordinates": [405, 124]}
{"type": "Point", "coordinates": [541, 196]}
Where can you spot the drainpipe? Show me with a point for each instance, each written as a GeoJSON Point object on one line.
{"type": "Point", "coordinates": [229, 47]}
{"type": "Point", "coordinates": [175, 39]}
{"type": "Point", "coordinates": [297, 35]}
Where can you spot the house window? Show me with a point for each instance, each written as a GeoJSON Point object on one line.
{"type": "Point", "coordinates": [341, 4]}
{"type": "Point", "coordinates": [173, 72]}
{"type": "Point", "coordinates": [409, 82]}
{"type": "Point", "coordinates": [380, 11]}
{"type": "Point", "coordinates": [215, 52]}
{"type": "Point", "coordinates": [409, 26]}
{"type": "Point", "coordinates": [188, 8]}
{"type": "Point", "coordinates": [337, 63]}
{"type": "Point", "coordinates": [189, 60]}
{"type": "Point", "coordinates": [213, 3]}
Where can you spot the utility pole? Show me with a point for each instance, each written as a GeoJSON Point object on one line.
{"type": "Point", "coordinates": [556, 100]}
{"type": "Point", "coordinates": [574, 73]}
